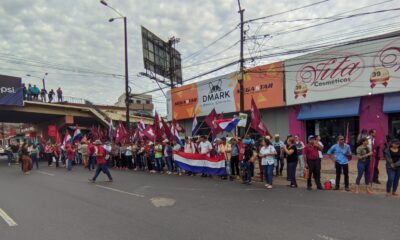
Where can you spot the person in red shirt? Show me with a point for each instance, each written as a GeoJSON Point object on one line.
{"type": "Point", "coordinates": [92, 157]}
{"type": "Point", "coordinates": [101, 161]}
{"type": "Point", "coordinates": [70, 151]}
{"type": "Point", "coordinates": [313, 162]}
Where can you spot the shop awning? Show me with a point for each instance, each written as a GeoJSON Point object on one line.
{"type": "Point", "coordinates": [330, 109]}
{"type": "Point", "coordinates": [391, 103]}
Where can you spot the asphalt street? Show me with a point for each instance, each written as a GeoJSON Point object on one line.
{"type": "Point", "coordinates": [55, 204]}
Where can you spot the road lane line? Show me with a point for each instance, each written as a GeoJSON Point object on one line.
{"type": "Point", "coordinates": [7, 218]}
{"type": "Point", "coordinates": [46, 173]}
{"type": "Point", "coordinates": [120, 191]}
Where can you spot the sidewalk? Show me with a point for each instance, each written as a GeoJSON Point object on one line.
{"type": "Point", "coordinates": [328, 172]}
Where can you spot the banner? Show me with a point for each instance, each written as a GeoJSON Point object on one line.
{"type": "Point", "coordinates": [243, 120]}
{"type": "Point", "coordinates": [11, 91]}
{"type": "Point", "coordinates": [52, 130]}
{"type": "Point", "coordinates": [200, 163]}
{"type": "Point", "coordinates": [264, 83]}
{"type": "Point", "coordinates": [358, 69]}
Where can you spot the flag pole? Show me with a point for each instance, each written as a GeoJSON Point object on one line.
{"type": "Point", "coordinates": [201, 124]}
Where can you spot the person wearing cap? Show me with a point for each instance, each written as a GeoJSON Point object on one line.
{"type": "Point", "coordinates": [223, 150]}
{"type": "Point", "coordinates": [100, 154]}
{"type": "Point", "coordinates": [245, 165]}
{"type": "Point", "coordinates": [312, 162]}
{"type": "Point", "coordinates": [279, 161]}
{"type": "Point", "coordinates": [341, 153]}
{"type": "Point", "coordinates": [392, 157]}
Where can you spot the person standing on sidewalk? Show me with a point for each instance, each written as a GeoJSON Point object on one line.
{"type": "Point", "coordinates": [267, 155]}
{"type": "Point", "coordinates": [341, 153]}
{"type": "Point", "coordinates": [234, 150]}
{"type": "Point", "coordinates": [392, 156]}
{"type": "Point", "coordinates": [363, 155]}
{"type": "Point", "coordinates": [292, 159]}
{"type": "Point", "coordinates": [300, 147]}
{"type": "Point", "coordinates": [100, 154]}
{"type": "Point", "coordinates": [279, 161]}
{"type": "Point", "coordinates": [374, 146]}
{"type": "Point", "coordinates": [313, 162]}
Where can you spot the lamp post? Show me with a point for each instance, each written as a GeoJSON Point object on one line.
{"type": "Point", "coordinates": [44, 85]}
{"type": "Point", "coordinates": [126, 58]}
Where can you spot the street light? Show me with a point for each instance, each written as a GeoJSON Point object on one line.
{"type": "Point", "coordinates": [44, 85]}
{"type": "Point", "coordinates": [126, 58]}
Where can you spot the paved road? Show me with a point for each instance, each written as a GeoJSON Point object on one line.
{"type": "Point", "coordinates": [55, 204]}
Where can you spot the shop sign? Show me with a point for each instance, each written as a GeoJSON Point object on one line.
{"type": "Point", "coordinates": [264, 84]}
{"type": "Point", "coordinates": [10, 91]}
{"type": "Point", "coordinates": [347, 71]}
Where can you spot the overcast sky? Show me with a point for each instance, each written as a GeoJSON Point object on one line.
{"type": "Point", "coordinates": [74, 42]}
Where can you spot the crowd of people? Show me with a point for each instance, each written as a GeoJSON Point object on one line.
{"type": "Point", "coordinates": [240, 155]}
{"type": "Point", "coordinates": [33, 93]}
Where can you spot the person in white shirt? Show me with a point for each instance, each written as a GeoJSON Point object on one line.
{"type": "Point", "coordinates": [205, 146]}
{"type": "Point", "coordinates": [267, 155]}
{"type": "Point", "coordinates": [318, 139]}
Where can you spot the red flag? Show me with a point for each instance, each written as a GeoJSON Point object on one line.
{"type": "Point", "coordinates": [58, 138]}
{"type": "Point", "coordinates": [177, 126]}
{"type": "Point", "coordinates": [256, 122]}
{"type": "Point", "coordinates": [157, 127]}
{"type": "Point", "coordinates": [211, 122]}
{"type": "Point", "coordinates": [167, 130]}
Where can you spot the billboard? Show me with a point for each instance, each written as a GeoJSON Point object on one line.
{"type": "Point", "coordinates": [160, 58]}
{"type": "Point", "coordinates": [264, 84]}
{"type": "Point", "coordinates": [359, 69]}
{"type": "Point", "coordinates": [10, 91]}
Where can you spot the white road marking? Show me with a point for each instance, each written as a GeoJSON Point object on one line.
{"type": "Point", "coordinates": [7, 218]}
{"type": "Point", "coordinates": [120, 191]}
{"type": "Point", "coordinates": [326, 237]}
{"type": "Point", "coordinates": [162, 202]}
{"type": "Point", "coordinates": [46, 173]}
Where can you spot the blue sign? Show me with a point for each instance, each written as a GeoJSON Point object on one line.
{"type": "Point", "coordinates": [11, 92]}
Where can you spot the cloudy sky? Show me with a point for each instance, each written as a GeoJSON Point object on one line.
{"type": "Point", "coordinates": [83, 52]}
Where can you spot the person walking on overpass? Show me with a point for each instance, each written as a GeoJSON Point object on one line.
{"type": "Point", "coordinates": [43, 94]}
{"type": "Point", "coordinates": [100, 154]}
{"type": "Point", "coordinates": [51, 95]}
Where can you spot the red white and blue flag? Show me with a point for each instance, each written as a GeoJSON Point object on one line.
{"type": "Point", "coordinates": [77, 135]}
{"type": "Point", "coordinates": [141, 124]}
{"type": "Point", "coordinates": [67, 138]}
{"type": "Point", "coordinates": [227, 125]}
{"type": "Point", "coordinates": [200, 163]}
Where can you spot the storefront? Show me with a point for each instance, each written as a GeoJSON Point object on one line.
{"type": "Point", "coordinates": [391, 106]}
{"type": "Point", "coordinates": [344, 90]}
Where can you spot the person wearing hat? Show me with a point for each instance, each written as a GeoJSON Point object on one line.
{"type": "Point", "coordinates": [279, 161]}
{"type": "Point", "coordinates": [341, 153]}
{"type": "Point", "coordinates": [313, 162]}
{"type": "Point", "coordinates": [100, 154]}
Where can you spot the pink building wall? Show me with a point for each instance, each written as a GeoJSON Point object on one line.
{"type": "Point", "coordinates": [372, 116]}
{"type": "Point", "coordinates": [296, 126]}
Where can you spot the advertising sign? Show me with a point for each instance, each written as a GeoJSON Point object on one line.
{"type": "Point", "coordinates": [359, 69]}
{"type": "Point", "coordinates": [264, 84]}
{"type": "Point", "coordinates": [10, 91]}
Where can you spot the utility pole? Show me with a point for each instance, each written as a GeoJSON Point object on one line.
{"type": "Point", "coordinates": [126, 75]}
{"type": "Point", "coordinates": [241, 72]}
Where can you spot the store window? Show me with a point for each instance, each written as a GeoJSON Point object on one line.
{"type": "Point", "coordinates": [148, 102]}
{"type": "Point", "coordinates": [330, 129]}
{"type": "Point", "coordinates": [394, 125]}
{"type": "Point", "coordinates": [138, 102]}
